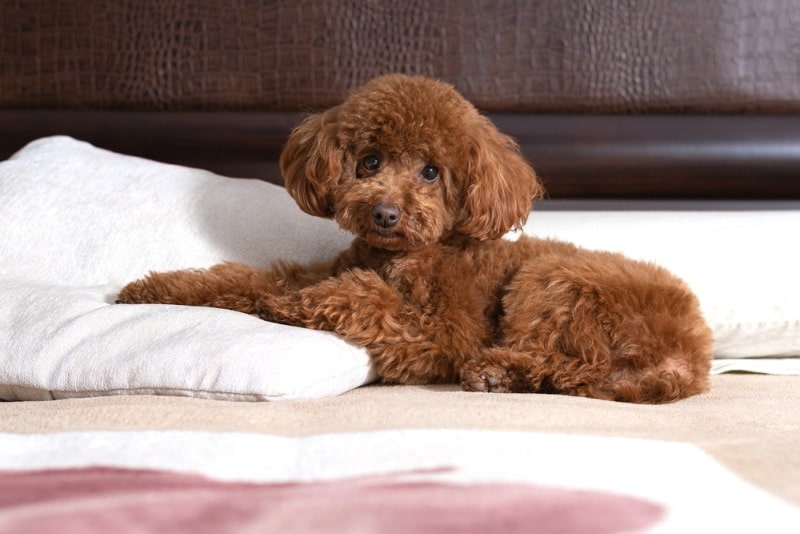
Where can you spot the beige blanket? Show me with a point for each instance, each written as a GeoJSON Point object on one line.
{"type": "Point", "coordinates": [750, 423]}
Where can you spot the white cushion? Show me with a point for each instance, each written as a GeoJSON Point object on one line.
{"type": "Point", "coordinates": [74, 214]}
{"type": "Point", "coordinates": [78, 222]}
{"type": "Point", "coordinates": [742, 264]}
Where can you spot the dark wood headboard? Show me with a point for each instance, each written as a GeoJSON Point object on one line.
{"type": "Point", "coordinates": [577, 156]}
{"type": "Point", "coordinates": [664, 99]}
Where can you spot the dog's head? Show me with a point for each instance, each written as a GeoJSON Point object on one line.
{"type": "Point", "coordinates": [405, 161]}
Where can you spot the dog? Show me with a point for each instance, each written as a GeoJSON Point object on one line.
{"type": "Point", "coordinates": [428, 186]}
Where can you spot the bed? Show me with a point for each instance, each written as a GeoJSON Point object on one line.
{"type": "Point", "coordinates": [144, 136]}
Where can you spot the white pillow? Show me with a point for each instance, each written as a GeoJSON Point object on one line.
{"type": "Point", "coordinates": [74, 214]}
{"type": "Point", "coordinates": [742, 264]}
{"type": "Point", "coordinates": [69, 342]}
{"type": "Point", "coordinates": [78, 222]}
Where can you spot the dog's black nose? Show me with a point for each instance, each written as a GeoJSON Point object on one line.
{"type": "Point", "coordinates": [386, 214]}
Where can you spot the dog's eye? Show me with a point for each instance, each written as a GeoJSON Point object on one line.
{"type": "Point", "coordinates": [371, 162]}
{"type": "Point", "coordinates": [430, 173]}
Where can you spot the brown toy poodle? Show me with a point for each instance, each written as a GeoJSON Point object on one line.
{"type": "Point", "coordinates": [428, 186]}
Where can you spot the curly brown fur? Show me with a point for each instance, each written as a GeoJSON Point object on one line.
{"type": "Point", "coordinates": [428, 185]}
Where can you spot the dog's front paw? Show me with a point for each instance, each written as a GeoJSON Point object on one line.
{"type": "Point", "coordinates": [138, 292]}
{"type": "Point", "coordinates": [486, 378]}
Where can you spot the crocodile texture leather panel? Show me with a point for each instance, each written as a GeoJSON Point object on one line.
{"type": "Point", "coordinates": [718, 56]}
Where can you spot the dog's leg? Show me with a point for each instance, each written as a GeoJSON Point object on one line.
{"type": "Point", "coordinates": [502, 370]}
{"type": "Point", "coordinates": [406, 346]}
{"type": "Point", "coordinates": [507, 370]}
{"type": "Point", "coordinates": [228, 285]}
{"type": "Point", "coordinates": [233, 286]}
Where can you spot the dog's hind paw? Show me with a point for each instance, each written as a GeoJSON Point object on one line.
{"type": "Point", "coordinates": [485, 378]}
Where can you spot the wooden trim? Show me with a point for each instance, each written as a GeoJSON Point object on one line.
{"type": "Point", "coordinates": [624, 156]}
{"type": "Point", "coordinates": [594, 156]}
{"type": "Point", "coordinates": [233, 144]}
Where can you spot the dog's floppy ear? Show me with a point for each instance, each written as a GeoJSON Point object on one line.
{"type": "Point", "coordinates": [311, 163]}
{"type": "Point", "coordinates": [501, 185]}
